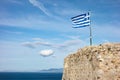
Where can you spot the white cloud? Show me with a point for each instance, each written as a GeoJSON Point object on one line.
{"type": "Point", "coordinates": [36, 43]}
{"type": "Point", "coordinates": [28, 21]}
{"type": "Point", "coordinates": [69, 43]}
{"type": "Point", "coordinates": [39, 5]}
{"type": "Point", "coordinates": [37, 39]}
{"type": "Point", "coordinates": [69, 12]}
{"type": "Point", "coordinates": [11, 32]}
{"type": "Point", "coordinates": [43, 43]}
{"type": "Point", "coordinates": [46, 52]}
{"type": "Point", "coordinates": [28, 44]}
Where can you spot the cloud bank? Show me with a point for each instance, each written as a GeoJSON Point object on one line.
{"type": "Point", "coordinates": [65, 44]}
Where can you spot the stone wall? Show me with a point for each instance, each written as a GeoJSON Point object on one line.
{"type": "Point", "coordinates": [93, 63]}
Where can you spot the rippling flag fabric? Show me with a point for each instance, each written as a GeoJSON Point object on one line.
{"type": "Point", "coordinates": [82, 20]}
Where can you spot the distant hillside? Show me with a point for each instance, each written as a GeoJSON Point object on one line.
{"type": "Point", "coordinates": [52, 70]}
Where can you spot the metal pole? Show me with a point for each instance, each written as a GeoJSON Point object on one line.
{"type": "Point", "coordinates": [90, 36]}
{"type": "Point", "coordinates": [90, 33]}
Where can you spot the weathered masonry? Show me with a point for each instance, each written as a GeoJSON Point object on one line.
{"type": "Point", "coordinates": [94, 63]}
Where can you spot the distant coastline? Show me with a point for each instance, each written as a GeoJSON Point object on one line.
{"type": "Point", "coordinates": [51, 70]}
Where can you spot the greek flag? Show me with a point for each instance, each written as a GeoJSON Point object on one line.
{"type": "Point", "coordinates": [81, 20]}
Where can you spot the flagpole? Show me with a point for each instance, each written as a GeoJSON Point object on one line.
{"type": "Point", "coordinates": [90, 33]}
{"type": "Point", "coordinates": [90, 36]}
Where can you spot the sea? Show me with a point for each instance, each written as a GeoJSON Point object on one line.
{"type": "Point", "coordinates": [30, 76]}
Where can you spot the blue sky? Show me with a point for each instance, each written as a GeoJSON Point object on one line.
{"type": "Point", "coordinates": [38, 34]}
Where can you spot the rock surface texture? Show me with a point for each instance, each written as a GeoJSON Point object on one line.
{"type": "Point", "coordinates": [94, 63]}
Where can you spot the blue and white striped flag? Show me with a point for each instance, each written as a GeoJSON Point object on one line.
{"type": "Point", "coordinates": [81, 20]}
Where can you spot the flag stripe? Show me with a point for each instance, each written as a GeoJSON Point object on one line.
{"type": "Point", "coordinates": [80, 26]}
{"type": "Point", "coordinates": [77, 21]}
{"type": "Point", "coordinates": [78, 18]}
{"type": "Point", "coordinates": [82, 15]}
{"type": "Point", "coordinates": [87, 22]}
